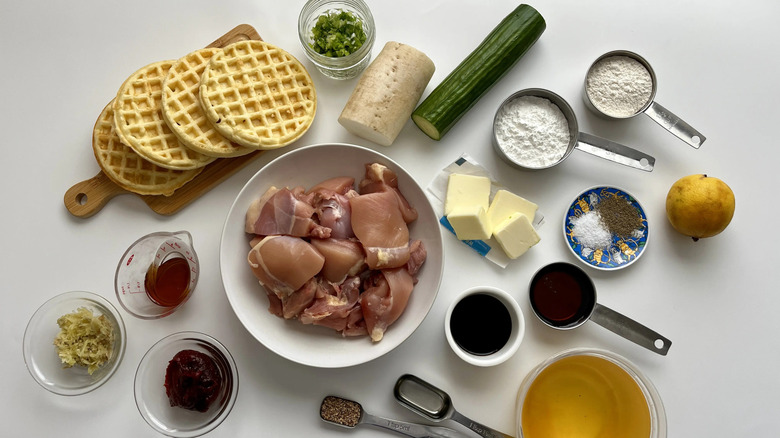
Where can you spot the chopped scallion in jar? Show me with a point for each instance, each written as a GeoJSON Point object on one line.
{"type": "Point", "coordinates": [337, 33]}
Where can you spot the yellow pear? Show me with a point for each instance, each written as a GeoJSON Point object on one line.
{"type": "Point", "coordinates": [700, 206]}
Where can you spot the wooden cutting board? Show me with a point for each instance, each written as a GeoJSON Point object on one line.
{"type": "Point", "coordinates": [88, 197]}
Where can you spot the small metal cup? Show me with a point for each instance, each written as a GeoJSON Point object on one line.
{"type": "Point", "coordinates": [653, 109]}
{"type": "Point", "coordinates": [591, 144]}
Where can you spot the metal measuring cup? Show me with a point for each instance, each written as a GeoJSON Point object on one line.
{"type": "Point", "coordinates": [552, 302]}
{"type": "Point", "coordinates": [600, 147]}
{"type": "Point", "coordinates": [658, 113]}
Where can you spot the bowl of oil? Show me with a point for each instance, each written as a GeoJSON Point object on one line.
{"type": "Point", "coordinates": [588, 393]}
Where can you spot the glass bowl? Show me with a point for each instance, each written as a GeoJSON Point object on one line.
{"type": "Point", "coordinates": [343, 67]}
{"type": "Point", "coordinates": [150, 394]}
{"type": "Point", "coordinates": [588, 392]}
{"type": "Point", "coordinates": [40, 354]}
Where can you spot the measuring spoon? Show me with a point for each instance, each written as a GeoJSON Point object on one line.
{"type": "Point", "coordinates": [434, 404]}
{"type": "Point", "coordinates": [600, 147]}
{"type": "Point", "coordinates": [653, 109]}
{"type": "Point", "coordinates": [563, 297]}
{"type": "Point", "coordinates": [340, 411]}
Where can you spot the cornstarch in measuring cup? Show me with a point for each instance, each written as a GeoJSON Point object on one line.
{"type": "Point", "coordinates": [532, 131]}
{"type": "Point", "coordinates": [619, 86]}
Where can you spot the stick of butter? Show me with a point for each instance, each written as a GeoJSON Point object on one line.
{"type": "Point", "coordinates": [516, 235]}
{"type": "Point", "coordinates": [470, 222]}
{"type": "Point", "coordinates": [465, 191]}
{"type": "Point", "coordinates": [506, 203]}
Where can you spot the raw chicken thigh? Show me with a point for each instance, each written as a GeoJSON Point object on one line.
{"type": "Point", "coordinates": [335, 256]}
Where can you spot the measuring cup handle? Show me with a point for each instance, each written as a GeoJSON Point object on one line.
{"type": "Point", "coordinates": [675, 125]}
{"type": "Point", "coordinates": [630, 329]}
{"type": "Point", "coordinates": [612, 151]}
{"type": "Point", "coordinates": [480, 429]}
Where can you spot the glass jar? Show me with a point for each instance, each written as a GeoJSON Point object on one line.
{"type": "Point", "coordinates": [343, 67]}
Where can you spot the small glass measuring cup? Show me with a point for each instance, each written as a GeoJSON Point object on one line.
{"type": "Point", "coordinates": [563, 297]}
{"type": "Point", "coordinates": [600, 147]}
{"type": "Point", "coordinates": [653, 109]}
{"type": "Point", "coordinates": [157, 274]}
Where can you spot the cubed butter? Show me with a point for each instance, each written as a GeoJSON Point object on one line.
{"type": "Point", "coordinates": [466, 191]}
{"type": "Point", "coordinates": [505, 204]}
{"type": "Point", "coordinates": [516, 235]}
{"type": "Point", "coordinates": [470, 222]}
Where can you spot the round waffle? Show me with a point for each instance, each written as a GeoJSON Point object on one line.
{"type": "Point", "coordinates": [140, 124]}
{"type": "Point", "coordinates": [182, 111]}
{"type": "Point", "coordinates": [126, 168]}
{"type": "Point", "coordinates": [258, 95]}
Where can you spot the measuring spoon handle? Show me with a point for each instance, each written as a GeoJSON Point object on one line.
{"type": "Point", "coordinates": [675, 125]}
{"type": "Point", "coordinates": [612, 151]}
{"type": "Point", "coordinates": [630, 329]}
{"type": "Point", "coordinates": [481, 429]}
{"type": "Point", "coordinates": [413, 430]}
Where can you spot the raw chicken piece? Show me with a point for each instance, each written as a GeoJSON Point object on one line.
{"type": "Point", "coordinates": [381, 229]}
{"type": "Point", "coordinates": [356, 325]}
{"type": "Point", "coordinates": [333, 211]}
{"type": "Point", "coordinates": [332, 304]}
{"type": "Point", "coordinates": [342, 258]}
{"type": "Point", "coordinates": [339, 184]}
{"type": "Point", "coordinates": [274, 304]}
{"type": "Point", "coordinates": [385, 299]}
{"type": "Point", "coordinates": [283, 212]}
{"type": "Point", "coordinates": [417, 256]}
{"type": "Point", "coordinates": [296, 302]}
{"type": "Point", "coordinates": [283, 264]}
{"type": "Point", "coordinates": [379, 178]}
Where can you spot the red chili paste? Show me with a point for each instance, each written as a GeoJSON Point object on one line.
{"type": "Point", "coordinates": [192, 380]}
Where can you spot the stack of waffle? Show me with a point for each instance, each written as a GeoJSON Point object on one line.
{"type": "Point", "coordinates": [171, 118]}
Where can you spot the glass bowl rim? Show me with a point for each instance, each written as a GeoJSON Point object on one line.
{"type": "Point", "coordinates": [218, 347]}
{"type": "Point", "coordinates": [655, 406]}
{"type": "Point", "coordinates": [106, 308]}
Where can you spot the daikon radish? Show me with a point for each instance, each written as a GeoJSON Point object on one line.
{"type": "Point", "coordinates": [386, 94]}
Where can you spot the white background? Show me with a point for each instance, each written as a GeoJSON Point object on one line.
{"type": "Point", "coordinates": [716, 299]}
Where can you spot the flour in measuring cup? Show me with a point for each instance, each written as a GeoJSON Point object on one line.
{"type": "Point", "coordinates": [619, 86]}
{"type": "Point", "coordinates": [532, 131]}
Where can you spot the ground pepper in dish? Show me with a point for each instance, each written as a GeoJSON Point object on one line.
{"type": "Point", "coordinates": [340, 411]}
{"type": "Point", "coordinates": [619, 216]}
{"type": "Point", "coordinates": [337, 33]}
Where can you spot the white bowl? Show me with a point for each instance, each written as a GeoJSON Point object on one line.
{"type": "Point", "coordinates": [515, 337]}
{"type": "Point", "coordinates": [308, 344]}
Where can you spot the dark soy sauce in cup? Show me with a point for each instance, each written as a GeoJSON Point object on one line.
{"type": "Point", "coordinates": [481, 324]}
{"type": "Point", "coordinates": [562, 295]}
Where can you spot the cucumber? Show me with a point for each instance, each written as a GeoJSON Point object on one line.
{"type": "Point", "coordinates": [476, 74]}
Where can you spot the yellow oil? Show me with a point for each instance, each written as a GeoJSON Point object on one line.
{"type": "Point", "coordinates": [585, 397]}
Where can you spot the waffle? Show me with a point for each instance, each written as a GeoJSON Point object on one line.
{"type": "Point", "coordinates": [258, 95]}
{"type": "Point", "coordinates": [182, 111]}
{"type": "Point", "coordinates": [126, 168]}
{"type": "Point", "coordinates": [140, 125]}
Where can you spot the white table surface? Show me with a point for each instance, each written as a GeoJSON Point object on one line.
{"type": "Point", "coordinates": [716, 299]}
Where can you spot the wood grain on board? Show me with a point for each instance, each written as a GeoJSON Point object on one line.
{"type": "Point", "coordinates": [88, 197]}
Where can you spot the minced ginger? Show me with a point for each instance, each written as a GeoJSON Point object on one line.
{"type": "Point", "coordinates": [84, 339]}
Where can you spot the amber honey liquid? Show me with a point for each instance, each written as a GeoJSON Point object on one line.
{"type": "Point", "coordinates": [585, 397]}
{"type": "Point", "coordinates": [168, 284]}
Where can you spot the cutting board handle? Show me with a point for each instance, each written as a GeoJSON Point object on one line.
{"type": "Point", "coordinates": [87, 197]}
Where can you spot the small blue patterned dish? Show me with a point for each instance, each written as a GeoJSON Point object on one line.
{"type": "Point", "coordinates": [592, 242]}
